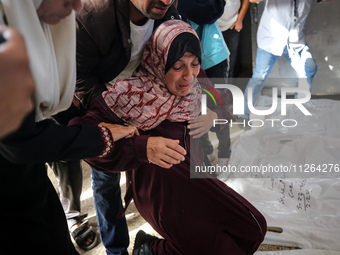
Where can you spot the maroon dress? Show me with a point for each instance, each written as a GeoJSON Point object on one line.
{"type": "Point", "coordinates": [195, 216]}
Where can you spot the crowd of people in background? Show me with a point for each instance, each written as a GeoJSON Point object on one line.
{"type": "Point", "coordinates": [116, 82]}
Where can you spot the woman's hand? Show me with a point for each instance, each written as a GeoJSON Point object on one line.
{"type": "Point", "coordinates": [202, 124]}
{"type": "Point", "coordinates": [119, 131]}
{"type": "Point", "coordinates": [164, 152]}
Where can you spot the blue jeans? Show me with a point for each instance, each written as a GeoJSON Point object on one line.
{"type": "Point", "coordinates": [108, 203]}
{"type": "Point", "coordinates": [302, 62]}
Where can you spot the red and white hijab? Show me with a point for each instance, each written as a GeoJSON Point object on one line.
{"type": "Point", "coordinates": [143, 100]}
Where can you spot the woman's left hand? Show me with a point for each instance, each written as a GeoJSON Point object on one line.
{"type": "Point", "coordinates": [202, 124]}
{"type": "Point", "coordinates": [119, 131]}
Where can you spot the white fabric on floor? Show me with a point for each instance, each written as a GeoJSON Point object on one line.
{"type": "Point", "coordinates": [305, 206]}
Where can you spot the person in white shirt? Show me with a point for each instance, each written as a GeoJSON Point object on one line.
{"type": "Point", "coordinates": [280, 33]}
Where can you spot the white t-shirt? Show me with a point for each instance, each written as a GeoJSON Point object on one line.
{"type": "Point", "coordinates": [139, 36]}
{"type": "Point", "coordinates": [278, 28]}
{"type": "Point", "coordinates": [230, 14]}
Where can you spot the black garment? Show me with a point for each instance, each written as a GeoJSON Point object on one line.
{"type": "Point", "coordinates": [201, 11]}
{"type": "Point", "coordinates": [232, 38]}
{"type": "Point", "coordinates": [183, 43]}
{"type": "Point", "coordinates": [46, 141]}
{"type": "Point", "coordinates": [223, 135]}
{"type": "Point", "coordinates": [223, 147]}
{"type": "Point", "coordinates": [32, 218]}
{"type": "Point", "coordinates": [220, 71]}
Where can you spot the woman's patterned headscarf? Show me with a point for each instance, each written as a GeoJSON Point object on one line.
{"type": "Point", "coordinates": [143, 100]}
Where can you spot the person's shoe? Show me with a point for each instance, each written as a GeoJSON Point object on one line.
{"type": "Point", "coordinates": [142, 243]}
{"type": "Point", "coordinates": [84, 235]}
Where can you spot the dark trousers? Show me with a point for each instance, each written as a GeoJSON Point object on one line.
{"type": "Point", "coordinates": [221, 70]}
{"type": "Point", "coordinates": [232, 38]}
{"type": "Point", "coordinates": [223, 147]}
{"type": "Point", "coordinates": [33, 221]}
{"type": "Point", "coordinates": [70, 182]}
{"type": "Point", "coordinates": [218, 71]}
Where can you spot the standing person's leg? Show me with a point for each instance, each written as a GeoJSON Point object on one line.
{"type": "Point", "coordinates": [263, 66]}
{"type": "Point", "coordinates": [70, 182]}
{"type": "Point", "coordinates": [232, 38]}
{"type": "Point", "coordinates": [303, 63]}
{"type": "Point", "coordinates": [221, 71]}
{"type": "Point", "coordinates": [207, 148]}
{"type": "Point", "coordinates": [224, 144]}
{"type": "Point", "coordinates": [108, 204]}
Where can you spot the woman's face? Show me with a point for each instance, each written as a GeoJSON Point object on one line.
{"type": "Point", "coordinates": [182, 74]}
{"type": "Point", "coordinates": [52, 11]}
